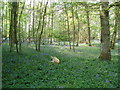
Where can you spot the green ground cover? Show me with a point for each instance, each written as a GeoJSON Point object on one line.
{"type": "Point", "coordinates": [80, 69]}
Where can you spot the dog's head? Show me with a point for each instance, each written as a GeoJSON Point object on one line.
{"type": "Point", "coordinates": [51, 56]}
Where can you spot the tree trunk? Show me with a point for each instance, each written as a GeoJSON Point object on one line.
{"type": "Point", "coordinates": [115, 28]}
{"type": "Point", "coordinates": [49, 29]}
{"type": "Point", "coordinates": [15, 8]}
{"type": "Point", "coordinates": [11, 30]}
{"type": "Point", "coordinates": [119, 24]}
{"type": "Point", "coordinates": [68, 25]}
{"type": "Point", "coordinates": [73, 29]}
{"type": "Point", "coordinates": [29, 38]}
{"type": "Point", "coordinates": [78, 34]}
{"type": "Point", "coordinates": [113, 39]}
{"type": "Point", "coordinates": [2, 20]}
{"type": "Point", "coordinates": [39, 26]}
{"type": "Point", "coordinates": [33, 23]}
{"type": "Point", "coordinates": [5, 34]}
{"type": "Point", "coordinates": [19, 34]}
{"type": "Point", "coordinates": [88, 24]}
{"type": "Point", "coordinates": [105, 33]}
{"type": "Point", "coordinates": [42, 28]}
{"type": "Point", "coordinates": [52, 29]}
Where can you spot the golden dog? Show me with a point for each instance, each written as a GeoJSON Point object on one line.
{"type": "Point", "coordinates": [55, 60]}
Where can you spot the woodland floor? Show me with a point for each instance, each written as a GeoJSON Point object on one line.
{"type": "Point", "coordinates": [80, 69]}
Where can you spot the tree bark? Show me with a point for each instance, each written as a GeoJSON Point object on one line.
{"type": "Point", "coordinates": [49, 29]}
{"type": "Point", "coordinates": [29, 38]}
{"type": "Point", "coordinates": [11, 29]}
{"type": "Point", "coordinates": [19, 34]}
{"type": "Point", "coordinates": [73, 29]}
{"type": "Point", "coordinates": [88, 25]}
{"type": "Point", "coordinates": [39, 26]}
{"type": "Point", "coordinates": [42, 28]}
{"type": "Point", "coordinates": [78, 34]}
{"type": "Point", "coordinates": [115, 28]}
{"type": "Point", "coordinates": [5, 34]}
{"type": "Point", "coordinates": [52, 28]}
{"type": "Point", "coordinates": [2, 20]}
{"type": "Point", "coordinates": [119, 24]}
{"type": "Point", "coordinates": [105, 32]}
{"type": "Point", "coordinates": [33, 22]}
{"type": "Point", "coordinates": [15, 8]}
{"type": "Point", "coordinates": [13, 26]}
{"type": "Point", "coordinates": [68, 25]}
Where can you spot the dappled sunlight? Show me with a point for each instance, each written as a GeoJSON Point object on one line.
{"type": "Point", "coordinates": [52, 44]}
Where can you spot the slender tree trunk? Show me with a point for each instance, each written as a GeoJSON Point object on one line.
{"type": "Point", "coordinates": [13, 26]}
{"type": "Point", "coordinates": [11, 30]}
{"type": "Point", "coordinates": [113, 39]}
{"type": "Point", "coordinates": [39, 25]}
{"type": "Point", "coordinates": [115, 28]}
{"type": "Point", "coordinates": [42, 28]}
{"type": "Point", "coordinates": [9, 24]}
{"type": "Point", "coordinates": [20, 44]}
{"type": "Point", "coordinates": [52, 28]}
{"type": "Point", "coordinates": [88, 24]}
{"type": "Point", "coordinates": [29, 38]}
{"type": "Point", "coordinates": [6, 23]}
{"type": "Point", "coordinates": [19, 34]}
{"type": "Point", "coordinates": [29, 35]}
{"type": "Point", "coordinates": [73, 29]}
{"type": "Point", "coordinates": [78, 35]}
{"type": "Point", "coordinates": [38, 28]}
{"type": "Point", "coordinates": [2, 21]}
{"type": "Point", "coordinates": [68, 25]}
{"type": "Point", "coordinates": [105, 33]}
{"type": "Point", "coordinates": [33, 23]}
{"type": "Point", "coordinates": [49, 30]}
{"type": "Point", "coordinates": [64, 24]}
{"type": "Point", "coordinates": [118, 24]}
{"type": "Point", "coordinates": [15, 7]}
